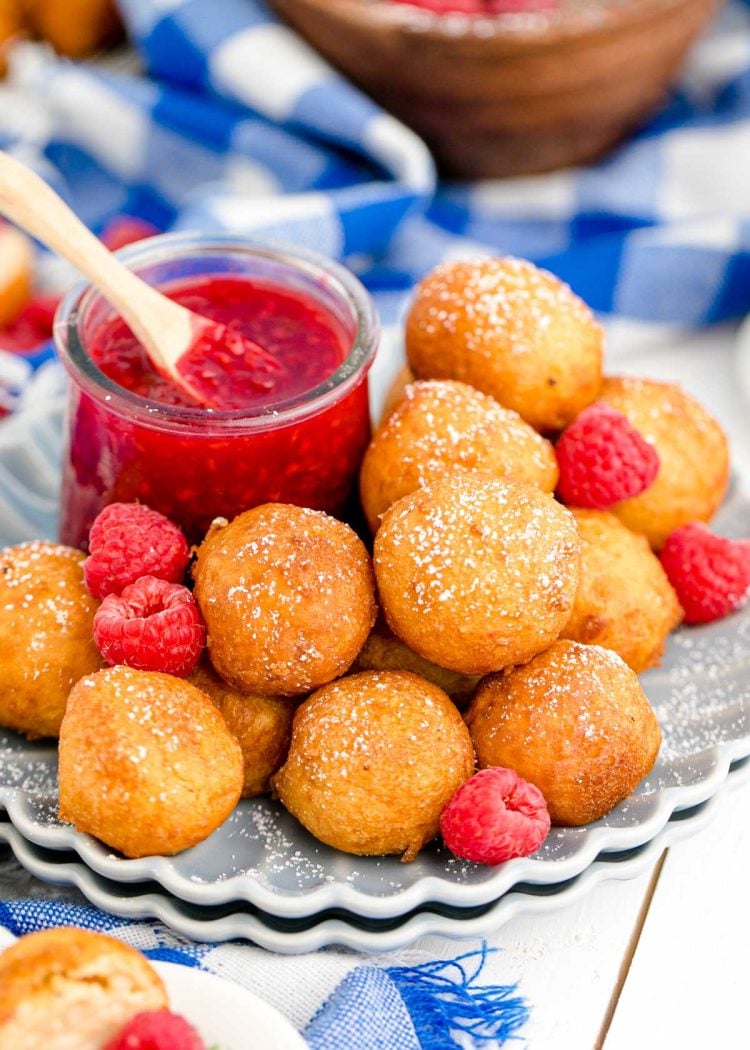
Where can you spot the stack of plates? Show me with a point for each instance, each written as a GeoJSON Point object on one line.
{"type": "Point", "coordinates": [261, 876]}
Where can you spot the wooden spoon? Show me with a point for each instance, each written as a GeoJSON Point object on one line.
{"type": "Point", "coordinates": [168, 332]}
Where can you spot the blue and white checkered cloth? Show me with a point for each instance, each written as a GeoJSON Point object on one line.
{"type": "Point", "coordinates": [428, 1006]}
{"type": "Point", "coordinates": [238, 125]}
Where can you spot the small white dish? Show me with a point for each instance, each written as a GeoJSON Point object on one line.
{"type": "Point", "coordinates": [226, 1015]}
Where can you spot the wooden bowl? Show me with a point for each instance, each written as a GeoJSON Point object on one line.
{"type": "Point", "coordinates": [508, 95]}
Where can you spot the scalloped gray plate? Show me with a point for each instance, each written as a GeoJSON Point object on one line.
{"type": "Point", "coordinates": [145, 901]}
{"type": "Point", "coordinates": [701, 694]}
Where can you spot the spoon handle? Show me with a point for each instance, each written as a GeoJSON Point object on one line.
{"type": "Point", "coordinates": [156, 321]}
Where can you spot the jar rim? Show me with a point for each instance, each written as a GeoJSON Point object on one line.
{"type": "Point", "coordinates": [171, 247]}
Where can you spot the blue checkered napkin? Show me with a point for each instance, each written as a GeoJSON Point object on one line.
{"type": "Point", "coordinates": [240, 126]}
{"type": "Point", "coordinates": [372, 1008]}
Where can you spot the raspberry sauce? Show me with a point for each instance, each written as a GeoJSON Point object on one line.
{"type": "Point", "coordinates": [303, 346]}
{"type": "Point", "coordinates": [200, 464]}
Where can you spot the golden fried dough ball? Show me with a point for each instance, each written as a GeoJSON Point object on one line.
{"type": "Point", "coordinates": [46, 640]}
{"type": "Point", "coordinates": [476, 572]}
{"type": "Point", "coordinates": [288, 597]}
{"type": "Point", "coordinates": [75, 27]}
{"type": "Point", "coordinates": [440, 426]}
{"type": "Point", "coordinates": [16, 267]}
{"type": "Point", "coordinates": [512, 330]}
{"type": "Point", "coordinates": [72, 988]}
{"type": "Point", "coordinates": [575, 722]}
{"type": "Point", "coordinates": [374, 759]}
{"type": "Point", "coordinates": [624, 600]}
{"type": "Point", "coordinates": [383, 651]}
{"type": "Point", "coordinates": [396, 391]}
{"type": "Point", "coordinates": [147, 763]}
{"type": "Point", "coordinates": [693, 452]}
{"type": "Point", "coordinates": [261, 725]}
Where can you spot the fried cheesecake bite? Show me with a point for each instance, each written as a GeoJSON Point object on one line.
{"type": "Point", "coordinates": [440, 426]}
{"type": "Point", "coordinates": [288, 597]}
{"type": "Point", "coordinates": [574, 722]}
{"type": "Point", "coordinates": [512, 330]}
{"type": "Point", "coordinates": [147, 763]}
{"type": "Point", "coordinates": [374, 759]}
{"type": "Point", "coordinates": [624, 600]}
{"type": "Point", "coordinates": [383, 651]}
{"type": "Point", "coordinates": [693, 453]}
{"type": "Point", "coordinates": [72, 989]}
{"type": "Point", "coordinates": [261, 725]}
{"type": "Point", "coordinates": [476, 573]}
{"type": "Point", "coordinates": [46, 640]}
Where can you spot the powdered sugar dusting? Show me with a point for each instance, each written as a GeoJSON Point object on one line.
{"type": "Point", "coordinates": [508, 300]}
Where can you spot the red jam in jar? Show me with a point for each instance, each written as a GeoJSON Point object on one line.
{"type": "Point", "coordinates": [292, 427]}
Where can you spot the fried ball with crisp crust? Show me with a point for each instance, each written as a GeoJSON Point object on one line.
{"type": "Point", "coordinates": [147, 763]}
{"type": "Point", "coordinates": [374, 759]}
{"type": "Point", "coordinates": [261, 725]}
{"type": "Point", "coordinates": [288, 597]}
{"type": "Point", "coordinates": [475, 572]}
{"type": "Point", "coordinates": [512, 330]}
{"type": "Point", "coordinates": [383, 651]}
{"type": "Point", "coordinates": [441, 426]}
{"type": "Point", "coordinates": [46, 640]}
{"type": "Point", "coordinates": [693, 453]}
{"type": "Point", "coordinates": [624, 600]}
{"type": "Point", "coordinates": [574, 721]}
{"type": "Point", "coordinates": [72, 988]}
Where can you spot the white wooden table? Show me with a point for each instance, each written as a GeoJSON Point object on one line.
{"type": "Point", "coordinates": [657, 962]}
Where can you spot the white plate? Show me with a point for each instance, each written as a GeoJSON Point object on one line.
{"type": "Point", "coordinates": [261, 856]}
{"type": "Point", "coordinates": [224, 1012]}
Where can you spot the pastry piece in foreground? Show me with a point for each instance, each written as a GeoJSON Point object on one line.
{"type": "Point", "coordinates": [71, 989]}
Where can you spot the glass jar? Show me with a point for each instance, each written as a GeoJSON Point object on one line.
{"type": "Point", "coordinates": [194, 464]}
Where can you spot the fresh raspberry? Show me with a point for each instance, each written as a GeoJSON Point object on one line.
{"type": "Point", "coordinates": [153, 626]}
{"type": "Point", "coordinates": [157, 1030]}
{"type": "Point", "coordinates": [126, 229]}
{"type": "Point", "coordinates": [710, 574]}
{"type": "Point", "coordinates": [32, 327]}
{"type": "Point", "coordinates": [603, 459]}
{"type": "Point", "coordinates": [129, 540]}
{"type": "Point", "coordinates": [495, 816]}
